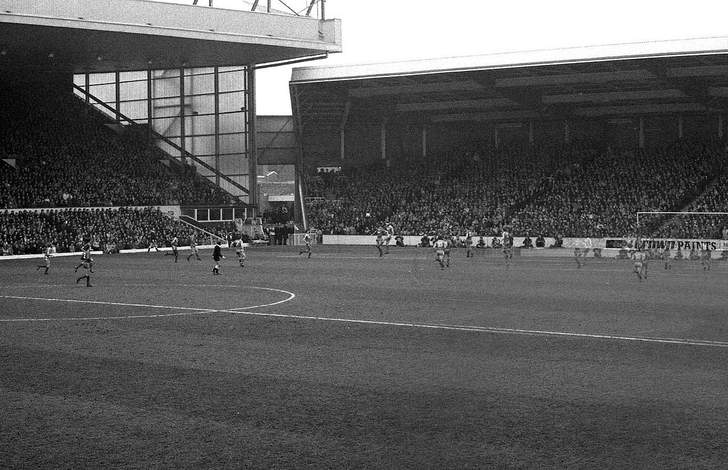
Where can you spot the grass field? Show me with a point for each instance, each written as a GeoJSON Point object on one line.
{"type": "Point", "coordinates": [347, 360]}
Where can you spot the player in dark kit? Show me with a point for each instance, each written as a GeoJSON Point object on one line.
{"type": "Point", "coordinates": [706, 259]}
{"type": "Point", "coordinates": [217, 256]}
{"type": "Point", "coordinates": [87, 262]}
{"type": "Point", "coordinates": [153, 242]}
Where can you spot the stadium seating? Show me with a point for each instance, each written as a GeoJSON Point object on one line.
{"type": "Point", "coordinates": [576, 192]}
{"type": "Point", "coordinates": [65, 157]}
{"type": "Point", "coordinates": [27, 232]}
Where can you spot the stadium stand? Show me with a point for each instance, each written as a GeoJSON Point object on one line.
{"type": "Point", "coordinates": [464, 190]}
{"type": "Point", "coordinates": [565, 192]}
{"type": "Point", "coordinates": [713, 199]}
{"type": "Point", "coordinates": [65, 157]}
{"type": "Point", "coordinates": [109, 230]}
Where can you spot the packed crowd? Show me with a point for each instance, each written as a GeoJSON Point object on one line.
{"type": "Point", "coordinates": [600, 197]}
{"type": "Point", "coordinates": [27, 232]}
{"type": "Point", "coordinates": [468, 191]}
{"type": "Point", "coordinates": [578, 193]}
{"type": "Point", "coordinates": [65, 157]}
{"type": "Point", "coordinates": [713, 226]}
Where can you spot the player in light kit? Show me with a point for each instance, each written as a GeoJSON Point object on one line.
{"type": "Point", "coordinates": [469, 244]}
{"type": "Point", "coordinates": [581, 249]}
{"type": "Point", "coordinates": [87, 262]}
{"type": "Point", "coordinates": [193, 249]}
{"type": "Point", "coordinates": [307, 245]}
{"type": "Point", "coordinates": [449, 244]}
{"type": "Point", "coordinates": [507, 247]}
{"type": "Point", "coordinates": [439, 248]}
{"type": "Point", "coordinates": [640, 264]}
{"type": "Point", "coordinates": [48, 251]}
{"type": "Point", "coordinates": [380, 241]}
{"type": "Point", "coordinates": [217, 256]}
{"type": "Point", "coordinates": [388, 237]}
{"type": "Point", "coordinates": [240, 251]}
{"type": "Point", "coordinates": [174, 244]}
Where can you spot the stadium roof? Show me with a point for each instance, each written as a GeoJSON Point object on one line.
{"type": "Point", "coordinates": [675, 76]}
{"type": "Point", "coordinates": [94, 36]}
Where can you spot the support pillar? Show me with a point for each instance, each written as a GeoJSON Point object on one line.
{"type": "Point", "coordinates": [117, 94]}
{"type": "Point", "coordinates": [496, 137]}
{"type": "Point", "coordinates": [149, 107]}
{"type": "Point", "coordinates": [87, 89]}
{"type": "Point", "coordinates": [342, 143]}
{"type": "Point", "coordinates": [641, 137]}
{"type": "Point", "coordinates": [424, 141]}
{"type": "Point", "coordinates": [182, 127]}
{"type": "Point", "coordinates": [720, 127]}
{"type": "Point", "coordinates": [530, 132]}
{"type": "Point", "coordinates": [680, 133]}
{"type": "Point", "coordinates": [383, 139]}
{"type": "Point", "coordinates": [216, 100]}
{"type": "Point", "coordinates": [567, 132]}
{"type": "Point", "coordinates": [252, 140]}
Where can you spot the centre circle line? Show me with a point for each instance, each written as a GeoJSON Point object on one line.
{"type": "Point", "coordinates": [186, 310]}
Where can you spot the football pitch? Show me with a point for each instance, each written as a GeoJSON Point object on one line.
{"type": "Point", "coordinates": [348, 360]}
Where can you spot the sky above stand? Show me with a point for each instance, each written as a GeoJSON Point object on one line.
{"type": "Point", "coordinates": [385, 31]}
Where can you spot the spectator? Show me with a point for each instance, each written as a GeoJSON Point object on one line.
{"type": "Point", "coordinates": [68, 158]}
{"type": "Point", "coordinates": [27, 232]}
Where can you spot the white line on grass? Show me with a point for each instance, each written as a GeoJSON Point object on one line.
{"type": "Point", "coordinates": [99, 302]}
{"type": "Point", "coordinates": [184, 310]}
{"type": "Point", "coordinates": [445, 327]}
{"type": "Point", "coordinates": [496, 330]}
{"type": "Point", "coordinates": [120, 317]}
{"type": "Point", "coordinates": [187, 311]}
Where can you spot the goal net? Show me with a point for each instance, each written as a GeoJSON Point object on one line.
{"type": "Point", "coordinates": [298, 238]}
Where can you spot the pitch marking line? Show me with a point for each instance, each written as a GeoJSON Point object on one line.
{"type": "Point", "coordinates": [470, 328]}
{"type": "Point", "coordinates": [496, 330]}
{"type": "Point", "coordinates": [182, 311]}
